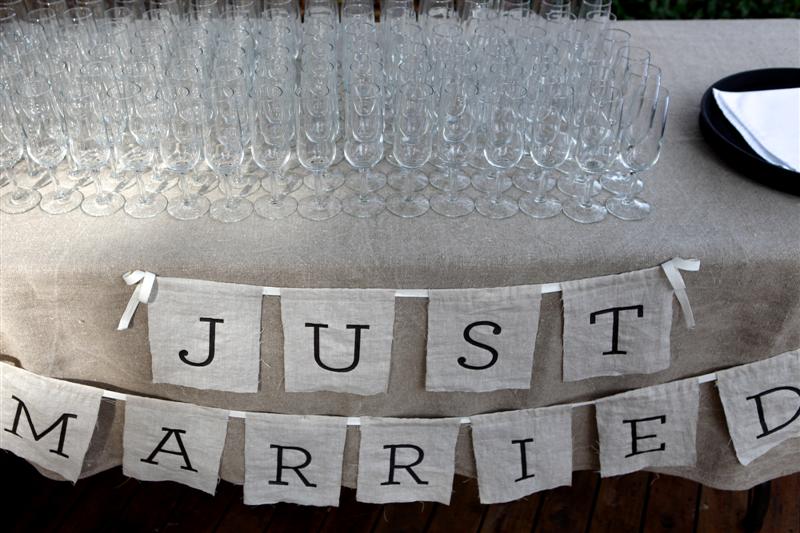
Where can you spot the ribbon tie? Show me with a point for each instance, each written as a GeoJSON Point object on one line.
{"type": "Point", "coordinates": [672, 269]}
{"type": "Point", "coordinates": [141, 294]}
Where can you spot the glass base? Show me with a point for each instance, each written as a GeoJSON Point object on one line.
{"type": "Point", "coordinates": [485, 182]}
{"type": "Point", "coordinates": [188, 209]}
{"type": "Point", "coordinates": [266, 208]}
{"type": "Point", "coordinates": [331, 180]}
{"type": "Point", "coordinates": [502, 207]}
{"type": "Point", "coordinates": [452, 206]}
{"type": "Point", "coordinates": [287, 184]}
{"type": "Point", "coordinates": [441, 181]}
{"type": "Point", "coordinates": [238, 209]}
{"type": "Point", "coordinates": [590, 214]}
{"type": "Point", "coordinates": [634, 209]}
{"type": "Point", "coordinates": [407, 207]}
{"type": "Point", "coordinates": [10, 205]}
{"type": "Point", "coordinates": [546, 207]}
{"type": "Point", "coordinates": [138, 208]}
{"type": "Point", "coordinates": [618, 184]}
{"type": "Point", "coordinates": [58, 206]}
{"type": "Point", "coordinates": [397, 180]}
{"type": "Point", "coordinates": [110, 204]}
{"type": "Point", "coordinates": [526, 183]}
{"type": "Point", "coordinates": [567, 185]}
{"type": "Point", "coordinates": [364, 206]}
{"type": "Point", "coordinates": [311, 209]}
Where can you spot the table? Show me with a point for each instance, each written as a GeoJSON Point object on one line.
{"type": "Point", "coordinates": [61, 293]}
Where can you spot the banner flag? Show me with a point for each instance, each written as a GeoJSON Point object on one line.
{"type": "Point", "coordinates": [762, 404]}
{"type": "Point", "coordinates": [653, 426]}
{"type": "Point", "coordinates": [47, 421]}
{"type": "Point", "coordinates": [337, 340]}
{"type": "Point", "coordinates": [481, 339]}
{"type": "Point", "coordinates": [293, 458]}
{"type": "Point", "coordinates": [205, 334]}
{"type": "Point", "coordinates": [173, 441]}
{"type": "Point", "coordinates": [406, 459]}
{"type": "Point", "coordinates": [518, 453]}
{"type": "Point", "coordinates": [615, 325]}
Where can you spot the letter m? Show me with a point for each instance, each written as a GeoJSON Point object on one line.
{"type": "Point", "coordinates": [37, 436]}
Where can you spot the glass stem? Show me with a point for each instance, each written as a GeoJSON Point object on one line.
{"type": "Point", "coordinates": [541, 187]}
{"type": "Point", "coordinates": [183, 183]}
{"type": "Point", "coordinates": [61, 191]}
{"type": "Point", "coordinates": [318, 194]}
{"type": "Point", "coordinates": [364, 174]}
{"type": "Point", "coordinates": [451, 184]}
{"type": "Point", "coordinates": [19, 194]}
{"type": "Point", "coordinates": [408, 185]}
{"type": "Point", "coordinates": [144, 196]}
{"type": "Point", "coordinates": [494, 195]}
{"type": "Point", "coordinates": [585, 192]}
{"type": "Point", "coordinates": [273, 185]}
{"type": "Point", "coordinates": [101, 196]}
{"type": "Point", "coordinates": [630, 185]}
{"type": "Point", "coordinates": [230, 198]}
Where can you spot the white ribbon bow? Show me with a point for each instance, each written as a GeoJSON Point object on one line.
{"type": "Point", "coordinates": [671, 269]}
{"type": "Point", "coordinates": [141, 294]}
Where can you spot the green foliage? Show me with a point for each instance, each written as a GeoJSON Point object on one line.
{"type": "Point", "coordinates": [705, 9]}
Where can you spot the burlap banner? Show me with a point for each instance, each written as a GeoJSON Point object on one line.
{"type": "Point", "coordinates": [207, 335]}
{"type": "Point", "coordinates": [298, 459]}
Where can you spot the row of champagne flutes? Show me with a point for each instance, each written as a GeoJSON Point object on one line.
{"type": "Point", "coordinates": [492, 90]}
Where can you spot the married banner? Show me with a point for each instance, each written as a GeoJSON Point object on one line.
{"type": "Point", "coordinates": [205, 334]}
{"type": "Point", "coordinates": [47, 421]}
{"type": "Point", "coordinates": [762, 404]}
{"type": "Point", "coordinates": [298, 458]}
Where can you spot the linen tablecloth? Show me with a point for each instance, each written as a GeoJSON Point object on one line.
{"type": "Point", "coordinates": [61, 293]}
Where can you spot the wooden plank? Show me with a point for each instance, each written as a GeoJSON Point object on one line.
{"type": "Point", "coordinates": [672, 504]}
{"type": "Point", "coordinates": [519, 515]}
{"type": "Point", "coordinates": [464, 512]}
{"type": "Point", "coordinates": [569, 508]}
{"type": "Point", "coordinates": [721, 510]}
{"type": "Point", "coordinates": [99, 507]}
{"type": "Point", "coordinates": [240, 517]}
{"type": "Point", "coordinates": [33, 492]}
{"type": "Point", "coordinates": [293, 517]}
{"type": "Point", "coordinates": [404, 517]}
{"type": "Point", "coordinates": [200, 512]}
{"type": "Point", "coordinates": [620, 503]}
{"type": "Point", "coordinates": [351, 516]}
{"type": "Point", "coordinates": [151, 505]}
{"type": "Point", "coordinates": [784, 506]}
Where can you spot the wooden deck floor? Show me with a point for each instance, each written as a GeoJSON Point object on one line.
{"type": "Point", "coordinates": [640, 502]}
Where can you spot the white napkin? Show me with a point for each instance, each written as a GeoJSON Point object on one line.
{"type": "Point", "coordinates": [768, 120]}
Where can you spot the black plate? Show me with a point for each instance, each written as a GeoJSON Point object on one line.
{"type": "Point", "coordinates": [729, 143]}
